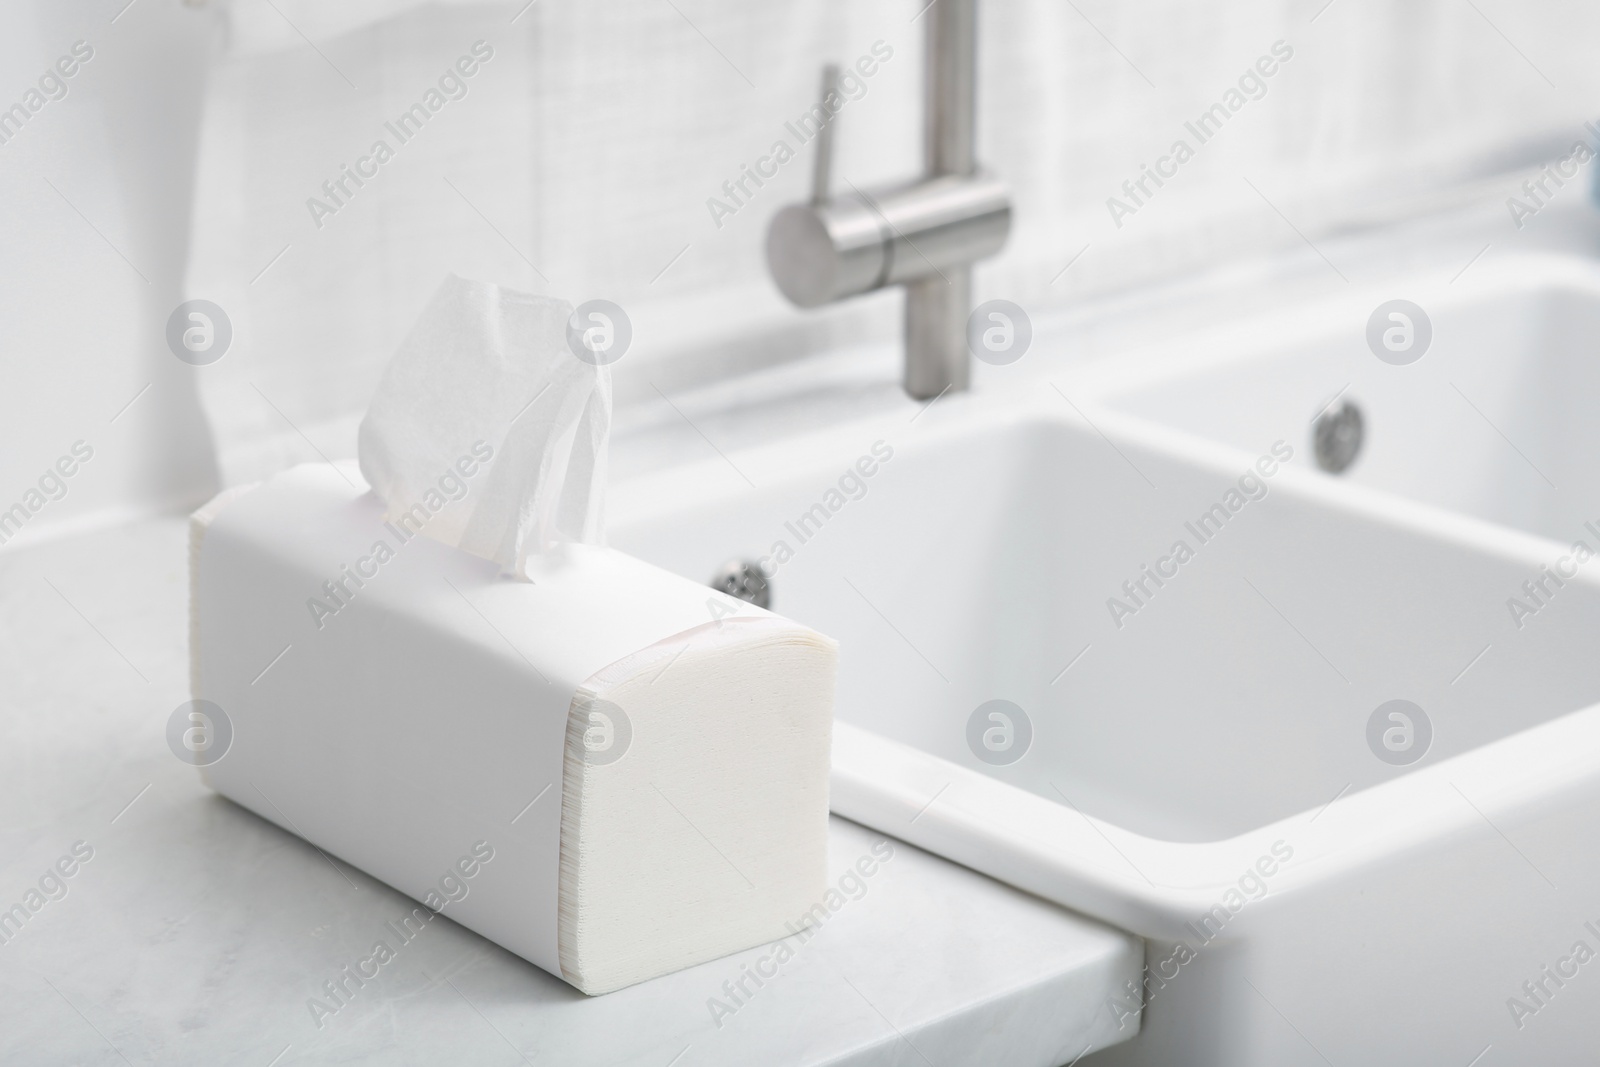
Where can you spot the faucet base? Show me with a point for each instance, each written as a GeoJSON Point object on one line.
{"type": "Point", "coordinates": [937, 309]}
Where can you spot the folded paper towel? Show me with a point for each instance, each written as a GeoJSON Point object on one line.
{"type": "Point", "coordinates": [648, 773]}
{"type": "Point", "coordinates": [489, 366]}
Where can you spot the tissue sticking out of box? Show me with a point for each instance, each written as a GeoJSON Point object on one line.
{"type": "Point", "coordinates": [486, 373]}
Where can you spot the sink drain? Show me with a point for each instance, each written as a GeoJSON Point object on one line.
{"type": "Point", "coordinates": [744, 579]}
{"type": "Point", "coordinates": [1337, 436]}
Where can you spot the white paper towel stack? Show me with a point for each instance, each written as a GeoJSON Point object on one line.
{"type": "Point", "coordinates": [608, 769]}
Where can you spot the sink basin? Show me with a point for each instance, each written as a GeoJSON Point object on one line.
{"type": "Point", "coordinates": [1199, 744]}
{"type": "Point", "coordinates": [1494, 420]}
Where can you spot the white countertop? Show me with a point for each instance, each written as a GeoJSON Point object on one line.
{"type": "Point", "coordinates": [197, 932]}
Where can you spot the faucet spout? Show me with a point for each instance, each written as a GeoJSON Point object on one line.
{"type": "Point", "coordinates": [950, 88]}
{"type": "Point", "coordinates": [937, 307]}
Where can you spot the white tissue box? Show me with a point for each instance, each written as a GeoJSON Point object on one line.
{"type": "Point", "coordinates": [404, 708]}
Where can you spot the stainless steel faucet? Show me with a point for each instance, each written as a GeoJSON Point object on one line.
{"type": "Point", "coordinates": [924, 234]}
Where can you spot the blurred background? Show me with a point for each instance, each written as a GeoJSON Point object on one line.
{"type": "Point", "coordinates": [581, 158]}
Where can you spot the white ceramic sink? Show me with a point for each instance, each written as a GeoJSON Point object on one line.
{"type": "Point", "coordinates": [1200, 770]}
{"type": "Point", "coordinates": [1496, 419]}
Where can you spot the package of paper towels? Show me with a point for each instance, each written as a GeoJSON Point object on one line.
{"type": "Point", "coordinates": [603, 767]}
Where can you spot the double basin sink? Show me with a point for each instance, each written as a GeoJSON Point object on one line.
{"type": "Point", "coordinates": [1117, 635]}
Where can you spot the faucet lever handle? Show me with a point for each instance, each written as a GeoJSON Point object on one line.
{"type": "Point", "coordinates": [824, 162]}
